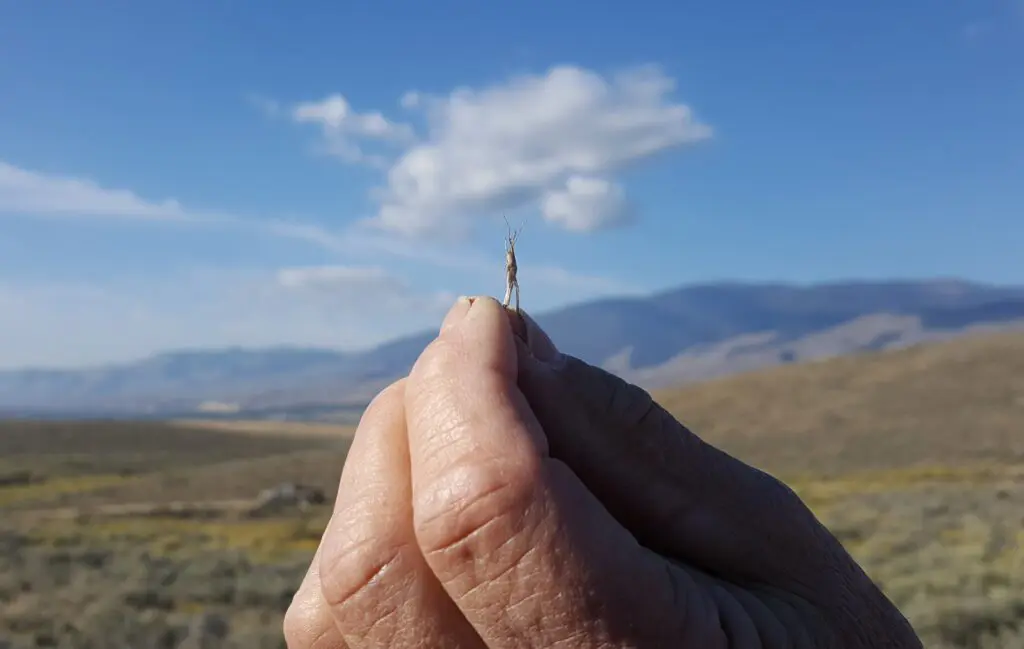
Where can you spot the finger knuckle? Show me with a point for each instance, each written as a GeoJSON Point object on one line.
{"type": "Point", "coordinates": [387, 398]}
{"type": "Point", "coordinates": [476, 509]}
{"type": "Point", "coordinates": [628, 401]}
{"type": "Point", "coordinates": [360, 566]}
{"type": "Point", "coordinates": [608, 395]}
{"type": "Point", "coordinates": [443, 355]}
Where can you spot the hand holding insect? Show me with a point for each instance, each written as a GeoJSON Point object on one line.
{"type": "Point", "coordinates": [506, 495]}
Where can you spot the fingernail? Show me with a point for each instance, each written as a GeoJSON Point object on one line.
{"type": "Point", "coordinates": [457, 312]}
{"type": "Point", "coordinates": [538, 341]}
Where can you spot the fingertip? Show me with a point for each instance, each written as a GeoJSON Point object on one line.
{"type": "Point", "coordinates": [485, 309]}
{"type": "Point", "coordinates": [478, 339]}
{"type": "Point", "coordinates": [486, 313]}
{"type": "Point", "coordinates": [457, 312]}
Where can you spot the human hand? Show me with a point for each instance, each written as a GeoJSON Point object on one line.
{"type": "Point", "coordinates": [506, 496]}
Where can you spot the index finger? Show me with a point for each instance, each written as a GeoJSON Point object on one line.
{"type": "Point", "coordinates": [523, 549]}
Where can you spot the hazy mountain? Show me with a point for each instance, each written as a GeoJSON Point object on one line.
{"type": "Point", "coordinates": [685, 334]}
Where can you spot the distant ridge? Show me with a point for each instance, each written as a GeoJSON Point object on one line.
{"type": "Point", "coordinates": [686, 334]}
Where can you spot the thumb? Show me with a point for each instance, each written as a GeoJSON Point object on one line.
{"type": "Point", "coordinates": [677, 494]}
{"type": "Point", "coordinates": [689, 501]}
{"type": "Point", "coordinates": [518, 543]}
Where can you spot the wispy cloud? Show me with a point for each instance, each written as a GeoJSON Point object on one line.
{"type": "Point", "coordinates": [356, 286]}
{"type": "Point", "coordinates": [347, 132]}
{"type": "Point", "coordinates": [332, 307]}
{"type": "Point", "coordinates": [551, 277]}
{"type": "Point", "coordinates": [27, 192]}
{"type": "Point", "coordinates": [557, 278]}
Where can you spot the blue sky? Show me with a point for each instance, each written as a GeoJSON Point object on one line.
{"type": "Point", "coordinates": [192, 174]}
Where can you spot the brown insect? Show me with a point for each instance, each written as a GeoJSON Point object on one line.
{"type": "Point", "coordinates": [511, 268]}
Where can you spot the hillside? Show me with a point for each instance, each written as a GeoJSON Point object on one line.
{"type": "Point", "coordinates": [953, 402]}
{"type": "Point", "coordinates": [691, 333]}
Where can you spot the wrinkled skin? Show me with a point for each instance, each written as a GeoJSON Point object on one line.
{"type": "Point", "coordinates": [506, 496]}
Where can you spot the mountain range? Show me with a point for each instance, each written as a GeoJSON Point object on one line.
{"type": "Point", "coordinates": [687, 334]}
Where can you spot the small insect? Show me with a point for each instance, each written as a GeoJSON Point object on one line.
{"type": "Point", "coordinates": [511, 268]}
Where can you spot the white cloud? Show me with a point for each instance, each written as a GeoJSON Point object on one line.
{"type": "Point", "coordinates": [586, 204]}
{"type": "Point", "coordinates": [333, 305]}
{"type": "Point", "coordinates": [29, 192]}
{"type": "Point", "coordinates": [511, 145]}
{"type": "Point", "coordinates": [346, 131]}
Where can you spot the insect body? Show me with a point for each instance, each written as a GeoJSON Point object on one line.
{"type": "Point", "coordinates": [511, 268]}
